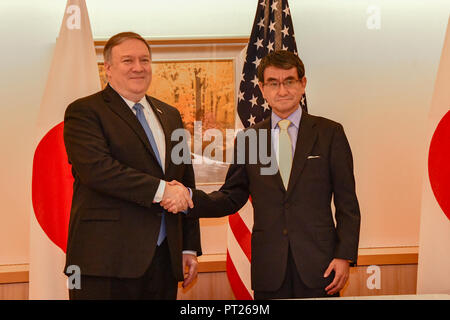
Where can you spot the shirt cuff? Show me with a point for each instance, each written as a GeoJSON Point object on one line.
{"type": "Point", "coordinates": [190, 194]}
{"type": "Point", "coordinates": [194, 253]}
{"type": "Point", "coordinates": [160, 191]}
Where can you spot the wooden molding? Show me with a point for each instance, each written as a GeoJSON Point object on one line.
{"type": "Point", "coordinates": [388, 256]}
{"type": "Point", "coordinates": [217, 262]}
{"type": "Point", "coordinates": [212, 263]}
{"type": "Point", "coordinates": [14, 273]}
{"type": "Point", "coordinates": [185, 41]}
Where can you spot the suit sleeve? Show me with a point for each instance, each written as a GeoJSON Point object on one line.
{"type": "Point", "coordinates": [191, 225]}
{"type": "Point", "coordinates": [231, 197]}
{"type": "Point", "coordinates": [92, 162]}
{"type": "Point", "coordinates": [345, 200]}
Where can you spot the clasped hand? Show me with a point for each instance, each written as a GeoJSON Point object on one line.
{"type": "Point", "coordinates": [176, 197]}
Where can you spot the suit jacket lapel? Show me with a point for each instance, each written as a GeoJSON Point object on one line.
{"type": "Point", "coordinates": [267, 125]}
{"type": "Point", "coordinates": [117, 105]}
{"type": "Point", "coordinates": [307, 135]}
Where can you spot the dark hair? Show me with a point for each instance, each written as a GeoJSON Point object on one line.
{"type": "Point", "coordinates": [281, 59]}
{"type": "Point", "coordinates": [118, 39]}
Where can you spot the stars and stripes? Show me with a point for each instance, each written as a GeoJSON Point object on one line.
{"type": "Point", "coordinates": [272, 30]}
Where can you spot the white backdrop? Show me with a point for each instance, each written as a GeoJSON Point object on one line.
{"type": "Point", "coordinates": [371, 65]}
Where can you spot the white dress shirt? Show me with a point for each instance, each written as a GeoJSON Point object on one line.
{"type": "Point", "coordinates": [158, 134]}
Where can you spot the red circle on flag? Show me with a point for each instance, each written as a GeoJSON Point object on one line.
{"type": "Point", "coordinates": [439, 164]}
{"type": "Point", "coordinates": [52, 186]}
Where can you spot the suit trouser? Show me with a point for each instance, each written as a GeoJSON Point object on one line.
{"type": "Point", "coordinates": [293, 286]}
{"type": "Point", "coordinates": [158, 282]}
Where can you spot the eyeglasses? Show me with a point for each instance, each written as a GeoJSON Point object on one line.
{"type": "Point", "coordinates": [288, 84]}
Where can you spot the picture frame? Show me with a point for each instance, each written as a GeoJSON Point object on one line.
{"type": "Point", "coordinates": [200, 77]}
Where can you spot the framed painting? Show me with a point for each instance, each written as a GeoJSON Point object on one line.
{"type": "Point", "coordinates": [199, 78]}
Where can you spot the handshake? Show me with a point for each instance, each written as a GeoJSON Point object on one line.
{"type": "Point", "coordinates": [176, 197]}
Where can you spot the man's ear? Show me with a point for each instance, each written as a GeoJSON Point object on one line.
{"type": "Point", "coordinates": [107, 67]}
{"type": "Point", "coordinates": [304, 81]}
{"type": "Point", "coordinates": [261, 87]}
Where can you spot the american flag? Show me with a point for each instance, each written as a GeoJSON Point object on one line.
{"type": "Point", "coordinates": [272, 30]}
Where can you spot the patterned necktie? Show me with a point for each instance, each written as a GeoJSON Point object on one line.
{"type": "Point", "coordinates": [141, 117]}
{"type": "Point", "coordinates": [285, 152]}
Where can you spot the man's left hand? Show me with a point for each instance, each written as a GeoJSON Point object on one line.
{"type": "Point", "coordinates": [189, 261]}
{"type": "Point", "coordinates": [341, 269]}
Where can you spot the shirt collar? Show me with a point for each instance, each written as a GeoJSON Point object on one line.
{"type": "Point", "coordinates": [294, 117]}
{"type": "Point", "coordinates": [131, 104]}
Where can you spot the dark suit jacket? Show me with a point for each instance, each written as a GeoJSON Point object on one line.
{"type": "Point", "coordinates": [114, 225]}
{"type": "Point", "coordinates": [300, 217]}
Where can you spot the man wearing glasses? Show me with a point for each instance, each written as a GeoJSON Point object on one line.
{"type": "Point", "coordinates": [297, 249]}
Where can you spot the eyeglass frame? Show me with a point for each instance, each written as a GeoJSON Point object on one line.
{"type": "Point", "coordinates": [285, 84]}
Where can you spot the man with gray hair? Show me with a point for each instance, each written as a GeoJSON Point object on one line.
{"type": "Point", "coordinates": [118, 142]}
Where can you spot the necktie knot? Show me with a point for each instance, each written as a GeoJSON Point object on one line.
{"type": "Point", "coordinates": [138, 107]}
{"type": "Point", "coordinates": [284, 124]}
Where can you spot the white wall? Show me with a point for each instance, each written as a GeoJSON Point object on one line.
{"type": "Point", "coordinates": [377, 83]}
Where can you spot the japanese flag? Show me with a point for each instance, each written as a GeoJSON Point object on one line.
{"type": "Point", "coordinates": [434, 245]}
{"type": "Point", "coordinates": [73, 74]}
